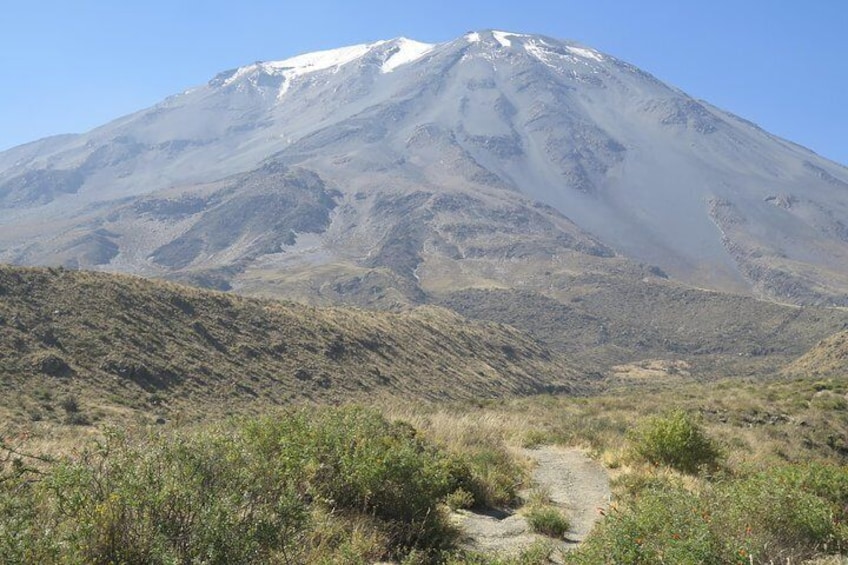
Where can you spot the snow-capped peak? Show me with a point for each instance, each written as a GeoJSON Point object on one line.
{"type": "Point", "coordinates": [306, 63]}
{"type": "Point", "coordinates": [394, 54]}
{"type": "Point", "coordinates": [503, 37]}
{"type": "Point", "coordinates": [321, 60]}
{"type": "Point", "coordinates": [585, 53]}
{"type": "Point", "coordinates": [407, 51]}
{"type": "Point", "coordinates": [402, 51]}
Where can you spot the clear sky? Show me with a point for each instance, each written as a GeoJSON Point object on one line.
{"type": "Point", "coordinates": [70, 65]}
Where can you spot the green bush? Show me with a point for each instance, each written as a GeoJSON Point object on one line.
{"type": "Point", "coordinates": [459, 499]}
{"type": "Point", "coordinates": [674, 439]}
{"type": "Point", "coordinates": [786, 513]}
{"type": "Point", "coordinates": [22, 524]}
{"type": "Point", "coordinates": [494, 476]}
{"type": "Point", "coordinates": [547, 520]}
{"type": "Point", "coordinates": [326, 485]}
{"type": "Point", "coordinates": [201, 498]}
{"type": "Point", "coordinates": [660, 526]}
{"type": "Point", "coordinates": [359, 462]}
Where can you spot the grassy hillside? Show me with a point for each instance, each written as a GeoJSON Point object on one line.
{"type": "Point", "coordinates": [599, 316]}
{"type": "Point", "coordinates": [81, 345]}
{"type": "Point", "coordinates": [828, 358]}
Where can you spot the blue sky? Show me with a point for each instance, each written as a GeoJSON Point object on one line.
{"type": "Point", "coordinates": [68, 66]}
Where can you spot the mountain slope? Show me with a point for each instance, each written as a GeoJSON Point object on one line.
{"type": "Point", "coordinates": [128, 341]}
{"type": "Point", "coordinates": [828, 358]}
{"type": "Point", "coordinates": [443, 163]}
{"type": "Point", "coordinates": [602, 321]}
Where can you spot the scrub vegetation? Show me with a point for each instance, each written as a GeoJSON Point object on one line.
{"type": "Point", "coordinates": [734, 473]}
{"type": "Point", "coordinates": [103, 466]}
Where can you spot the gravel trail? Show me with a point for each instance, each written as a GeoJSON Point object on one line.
{"type": "Point", "coordinates": [575, 483]}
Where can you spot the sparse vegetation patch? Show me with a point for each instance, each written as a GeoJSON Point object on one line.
{"type": "Point", "coordinates": [548, 520]}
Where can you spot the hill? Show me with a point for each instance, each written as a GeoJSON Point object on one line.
{"type": "Point", "coordinates": [828, 358]}
{"type": "Point", "coordinates": [602, 321]}
{"type": "Point", "coordinates": [100, 345]}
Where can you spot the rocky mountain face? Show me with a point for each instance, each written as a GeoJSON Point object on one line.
{"type": "Point", "coordinates": [391, 173]}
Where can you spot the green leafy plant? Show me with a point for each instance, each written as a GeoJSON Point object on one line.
{"type": "Point", "coordinates": [324, 485]}
{"type": "Point", "coordinates": [204, 497]}
{"type": "Point", "coordinates": [662, 525]}
{"type": "Point", "coordinates": [547, 520]}
{"type": "Point", "coordinates": [791, 512]}
{"type": "Point", "coordinates": [459, 499]}
{"type": "Point", "coordinates": [677, 440]}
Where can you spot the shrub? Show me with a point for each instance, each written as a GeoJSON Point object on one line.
{"type": "Point", "coordinates": [788, 512]}
{"type": "Point", "coordinates": [660, 526]}
{"type": "Point", "coordinates": [674, 439]}
{"type": "Point", "coordinates": [175, 499]}
{"type": "Point", "coordinates": [547, 520]}
{"type": "Point", "coordinates": [361, 462]}
{"type": "Point", "coordinates": [784, 514]}
{"type": "Point", "coordinates": [70, 404]}
{"type": "Point", "coordinates": [459, 499]}
{"type": "Point", "coordinates": [22, 524]}
{"type": "Point", "coordinates": [328, 485]}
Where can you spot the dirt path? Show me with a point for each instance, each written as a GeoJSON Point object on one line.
{"type": "Point", "coordinates": [578, 485]}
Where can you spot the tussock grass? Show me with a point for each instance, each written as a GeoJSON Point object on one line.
{"type": "Point", "coordinates": [481, 440]}
{"type": "Point", "coordinates": [547, 520]}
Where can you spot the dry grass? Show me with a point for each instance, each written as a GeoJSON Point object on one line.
{"type": "Point", "coordinates": [757, 422]}
{"type": "Point", "coordinates": [759, 425]}
{"type": "Point", "coordinates": [123, 346]}
{"type": "Point", "coordinates": [828, 358]}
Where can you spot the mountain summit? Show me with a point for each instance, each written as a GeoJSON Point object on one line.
{"type": "Point", "coordinates": [393, 170]}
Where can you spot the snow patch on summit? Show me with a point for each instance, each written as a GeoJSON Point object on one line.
{"type": "Point", "coordinates": [407, 52]}
{"type": "Point", "coordinates": [321, 60]}
{"type": "Point", "coordinates": [300, 65]}
{"type": "Point", "coordinates": [551, 56]}
{"type": "Point", "coordinates": [537, 49]}
{"type": "Point", "coordinates": [502, 38]}
{"type": "Point", "coordinates": [404, 51]}
{"type": "Point", "coordinates": [585, 53]}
